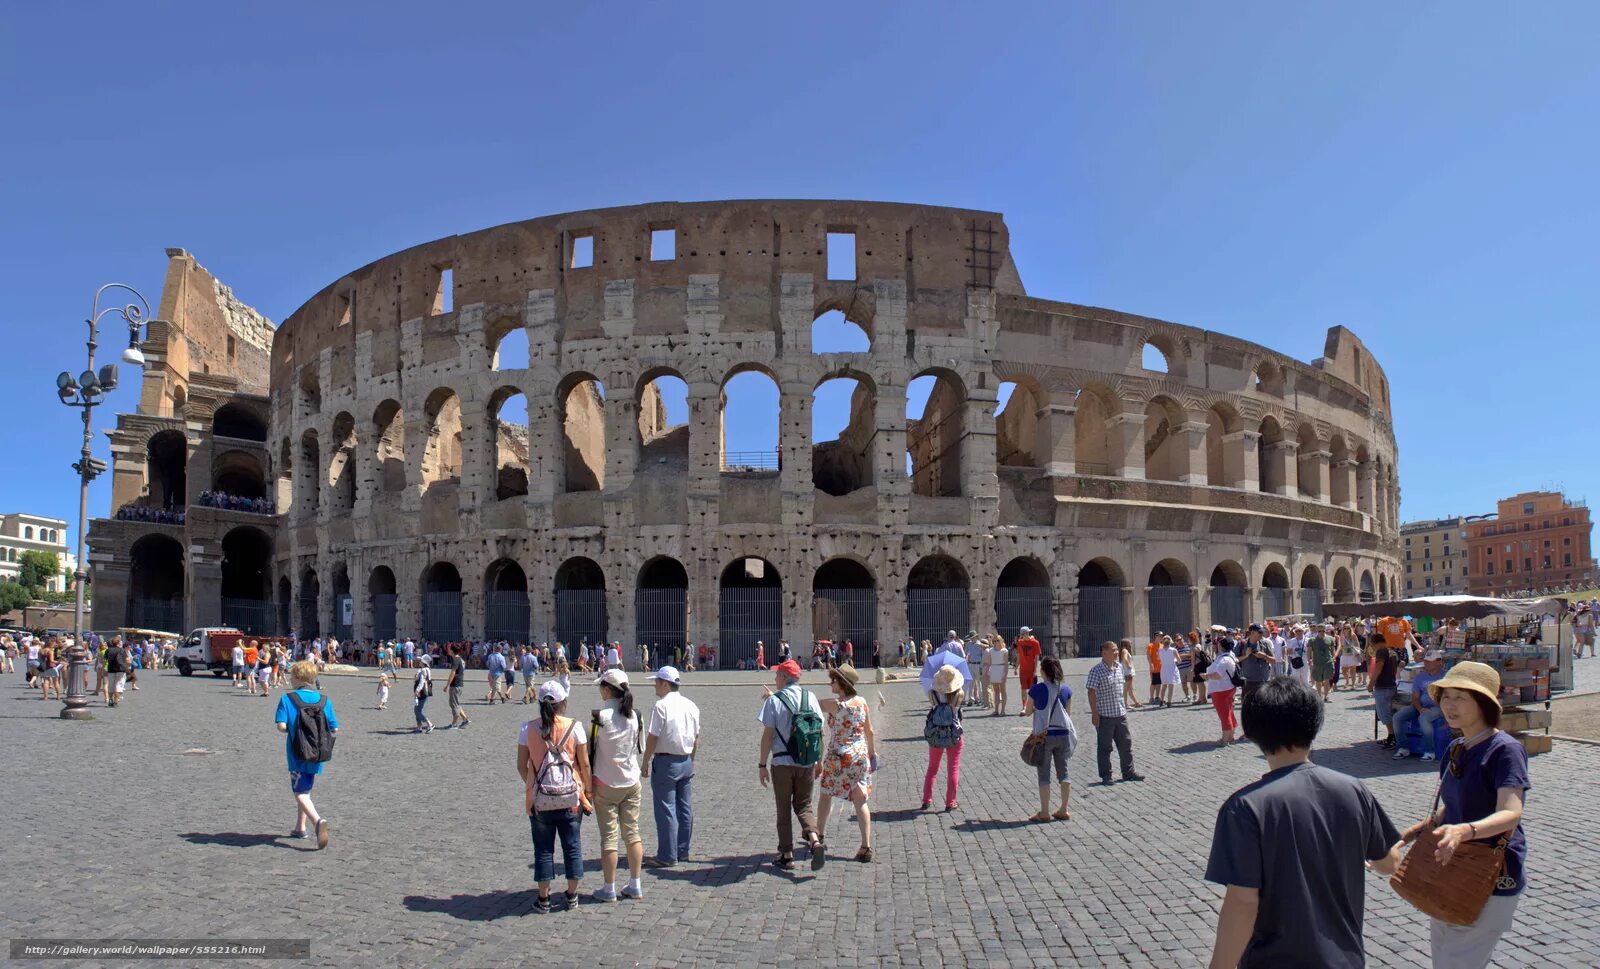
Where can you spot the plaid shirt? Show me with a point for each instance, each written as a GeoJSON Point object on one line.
{"type": "Point", "coordinates": [1107, 684]}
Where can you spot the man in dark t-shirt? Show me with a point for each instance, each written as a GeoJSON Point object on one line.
{"type": "Point", "coordinates": [458, 679]}
{"type": "Point", "coordinates": [1386, 663]}
{"type": "Point", "coordinates": [1256, 666]}
{"type": "Point", "coordinates": [1290, 848]}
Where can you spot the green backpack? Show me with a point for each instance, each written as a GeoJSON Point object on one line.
{"type": "Point", "coordinates": [804, 743]}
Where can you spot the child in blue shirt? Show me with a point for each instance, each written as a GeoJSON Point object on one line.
{"type": "Point", "coordinates": [303, 774]}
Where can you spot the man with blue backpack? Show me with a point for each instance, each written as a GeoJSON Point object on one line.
{"type": "Point", "coordinates": [791, 748]}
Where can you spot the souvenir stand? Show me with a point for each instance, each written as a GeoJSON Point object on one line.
{"type": "Point", "coordinates": [1512, 645]}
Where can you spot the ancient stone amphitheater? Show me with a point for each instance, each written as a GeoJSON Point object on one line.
{"type": "Point", "coordinates": [1086, 472]}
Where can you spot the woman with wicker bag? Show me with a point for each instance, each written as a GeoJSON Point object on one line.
{"type": "Point", "coordinates": [1481, 793]}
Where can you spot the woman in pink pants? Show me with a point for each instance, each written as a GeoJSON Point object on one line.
{"type": "Point", "coordinates": [943, 733]}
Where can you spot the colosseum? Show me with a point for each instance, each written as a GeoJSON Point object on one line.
{"type": "Point", "coordinates": [547, 430]}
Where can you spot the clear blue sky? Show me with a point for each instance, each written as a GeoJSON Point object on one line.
{"type": "Point", "coordinates": [1423, 173]}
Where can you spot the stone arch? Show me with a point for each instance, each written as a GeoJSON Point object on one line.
{"type": "Point", "coordinates": [580, 596]}
{"type": "Point", "coordinates": [509, 441]}
{"type": "Point", "coordinates": [311, 463]}
{"type": "Point", "coordinates": [1224, 467]}
{"type": "Point", "coordinates": [837, 328]}
{"type": "Point", "coordinates": [285, 605]}
{"type": "Point", "coordinates": [156, 584]}
{"type": "Point", "coordinates": [935, 433]}
{"type": "Point", "coordinates": [1228, 582]}
{"type": "Point", "coordinates": [1383, 586]}
{"type": "Point", "coordinates": [341, 594]}
{"type": "Point", "coordinates": [507, 342]}
{"type": "Point", "coordinates": [581, 415]}
{"type": "Point", "coordinates": [166, 462]}
{"type": "Point", "coordinates": [1166, 451]}
{"type": "Point", "coordinates": [389, 446]}
{"type": "Point", "coordinates": [1016, 423]}
{"type": "Point", "coordinates": [1368, 587]}
{"type": "Point", "coordinates": [239, 473]}
{"type": "Point", "coordinates": [342, 463]}
{"type": "Point", "coordinates": [1169, 598]}
{"type": "Point", "coordinates": [938, 598]}
{"type": "Point", "coordinates": [1309, 444]}
{"type": "Point", "coordinates": [750, 608]}
{"type": "Point", "coordinates": [506, 614]}
{"type": "Point", "coordinates": [441, 453]}
{"type": "Point", "coordinates": [1101, 615]}
{"type": "Point", "coordinates": [1022, 597]}
{"type": "Point", "coordinates": [246, 586]}
{"type": "Point", "coordinates": [1311, 591]}
{"type": "Point", "coordinates": [1269, 378]}
{"type": "Point", "coordinates": [1340, 480]}
{"type": "Point", "coordinates": [1091, 425]}
{"type": "Point", "coordinates": [1163, 352]}
{"type": "Point", "coordinates": [1169, 572]}
{"type": "Point", "coordinates": [844, 603]}
{"type": "Point", "coordinates": [310, 625]}
{"type": "Point", "coordinates": [310, 390]}
{"type": "Point", "coordinates": [661, 608]}
{"type": "Point", "coordinates": [749, 415]}
{"type": "Point", "coordinates": [381, 601]}
{"type": "Point", "coordinates": [239, 421]}
{"type": "Point", "coordinates": [661, 403]}
{"type": "Point", "coordinates": [440, 585]}
{"type": "Point", "coordinates": [1343, 585]}
{"type": "Point", "coordinates": [1269, 469]}
{"type": "Point", "coordinates": [842, 456]}
{"type": "Point", "coordinates": [1276, 599]}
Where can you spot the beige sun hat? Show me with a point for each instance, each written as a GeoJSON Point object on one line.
{"type": "Point", "coordinates": [948, 679]}
{"type": "Point", "coordinates": [1477, 677]}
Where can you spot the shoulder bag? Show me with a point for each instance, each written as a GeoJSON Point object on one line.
{"type": "Point", "coordinates": [1033, 747]}
{"type": "Point", "coordinates": [1455, 892]}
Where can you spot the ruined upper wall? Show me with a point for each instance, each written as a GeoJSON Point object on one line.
{"type": "Point", "coordinates": [201, 328]}
{"type": "Point", "coordinates": [747, 245]}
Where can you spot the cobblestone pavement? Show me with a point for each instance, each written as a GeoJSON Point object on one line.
{"type": "Point", "coordinates": [120, 828]}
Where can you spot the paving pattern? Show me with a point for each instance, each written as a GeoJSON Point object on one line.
{"type": "Point", "coordinates": [118, 828]}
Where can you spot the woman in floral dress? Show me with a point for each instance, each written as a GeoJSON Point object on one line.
{"type": "Point", "coordinates": [851, 756]}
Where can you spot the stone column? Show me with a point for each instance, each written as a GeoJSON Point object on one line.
{"type": "Point", "coordinates": [1191, 444]}
{"type": "Point", "coordinates": [1366, 488]}
{"type": "Point", "coordinates": [794, 448]}
{"type": "Point", "coordinates": [1240, 461]}
{"type": "Point", "coordinates": [1055, 438]}
{"type": "Point", "coordinates": [1344, 473]}
{"type": "Point", "coordinates": [1125, 444]}
{"type": "Point", "coordinates": [1281, 459]}
{"type": "Point", "coordinates": [204, 592]}
{"type": "Point", "coordinates": [980, 481]}
{"type": "Point", "coordinates": [1314, 466]}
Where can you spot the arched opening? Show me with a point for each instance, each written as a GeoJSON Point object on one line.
{"type": "Point", "coordinates": [1341, 473]}
{"type": "Point", "coordinates": [310, 390]}
{"type": "Point", "coordinates": [1311, 591]}
{"type": "Point", "coordinates": [237, 474]}
{"type": "Point", "coordinates": [441, 454]}
{"type": "Point", "coordinates": [581, 409]}
{"type": "Point", "coordinates": [749, 422]}
{"type": "Point", "coordinates": [936, 406]}
{"type": "Point", "coordinates": [285, 606]}
{"type": "Point", "coordinates": [834, 332]}
{"type": "Point", "coordinates": [238, 421]}
{"type": "Point", "coordinates": [938, 599]}
{"type": "Point", "coordinates": [342, 464]}
{"type": "Point", "coordinates": [580, 589]}
{"type": "Point", "coordinates": [382, 599]}
{"type": "Point", "coordinates": [310, 499]}
{"type": "Point", "coordinates": [441, 603]}
{"type": "Point", "coordinates": [1016, 427]}
{"type": "Point", "coordinates": [1166, 453]}
{"type": "Point", "coordinates": [1224, 458]}
{"type": "Point", "coordinates": [310, 590]}
{"type": "Point", "coordinates": [389, 433]}
{"type": "Point", "coordinates": [342, 621]}
{"type": "Point", "coordinates": [750, 609]}
{"type": "Point", "coordinates": [844, 425]}
{"type": "Point", "coordinates": [1275, 601]}
{"type": "Point", "coordinates": [156, 584]}
{"type": "Point", "coordinates": [1091, 434]}
{"type": "Point", "coordinates": [1153, 359]}
{"type": "Point", "coordinates": [1269, 379]}
{"type": "Point", "coordinates": [1169, 599]}
{"type": "Point", "coordinates": [506, 615]}
{"type": "Point", "coordinates": [1368, 591]}
{"type": "Point", "coordinates": [1268, 474]}
{"type": "Point", "coordinates": [285, 476]}
{"type": "Point", "coordinates": [844, 605]}
{"type": "Point", "coordinates": [1228, 594]}
{"type": "Point", "coordinates": [166, 457]}
{"type": "Point", "coordinates": [1308, 477]}
{"type": "Point", "coordinates": [662, 402]}
{"type": "Point", "coordinates": [1022, 598]}
{"type": "Point", "coordinates": [1343, 586]}
{"type": "Point", "coordinates": [509, 350]}
{"type": "Point", "coordinates": [246, 587]}
{"type": "Point", "coordinates": [1100, 615]}
{"type": "Point", "coordinates": [509, 442]}
{"type": "Point", "coordinates": [1383, 587]}
{"type": "Point", "coordinates": [661, 609]}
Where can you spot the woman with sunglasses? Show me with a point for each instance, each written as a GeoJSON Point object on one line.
{"type": "Point", "coordinates": [1481, 793]}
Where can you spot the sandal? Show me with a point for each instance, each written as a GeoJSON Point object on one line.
{"type": "Point", "coordinates": [864, 855]}
{"type": "Point", "coordinates": [785, 862]}
{"type": "Point", "coordinates": [1062, 815]}
{"type": "Point", "coordinates": [1039, 817]}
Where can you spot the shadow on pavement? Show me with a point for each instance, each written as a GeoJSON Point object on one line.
{"type": "Point", "coordinates": [1366, 759]}
{"type": "Point", "coordinates": [237, 839]}
{"type": "Point", "coordinates": [735, 868]}
{"type": "Point", "coordinates": [971, 825]}
{"type": "Point", "coordinates": [1196, 747]}
{"type": "Point", "coordinates": [478, 908]}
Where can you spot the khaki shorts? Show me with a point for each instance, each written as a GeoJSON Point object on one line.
{"type": "Point", "coordinates": [617, 810]}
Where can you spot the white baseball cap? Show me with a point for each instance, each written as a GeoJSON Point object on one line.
{"type": "Point", "coordinates": [614, 678]}
{"type": "Point", "coordinates": [669, 674]}
{"type": "Point", "coordinates": [553, 691]}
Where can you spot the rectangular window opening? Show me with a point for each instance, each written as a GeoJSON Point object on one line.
{"type": "Point", "coordinates": [444, 299]}
{"type": "Point", "coordinates": [582, 251]}
{"type": "Point", "coordinates": [347, 311]}
{"type": "Point", "coordinates": [663, 244]}
{"type": "Point", "coordinates": [841, 255]}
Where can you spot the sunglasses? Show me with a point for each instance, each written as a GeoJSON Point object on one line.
{"type": "Point", "coordinates": [1458, 754]}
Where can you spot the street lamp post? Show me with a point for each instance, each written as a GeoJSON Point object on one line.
{"type": "Point", "coordinates": [84, 392]}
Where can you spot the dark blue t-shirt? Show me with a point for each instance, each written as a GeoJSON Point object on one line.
{"type": "Point", "coordinates": [1039, 693]}
{"type": "Point", "coordinates": [1500, 761]}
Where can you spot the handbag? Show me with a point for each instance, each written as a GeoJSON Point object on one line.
{"type": "Point", "coordinates": [1455, 892]}
{"type": "Point", "coordinates": [1033, 747]}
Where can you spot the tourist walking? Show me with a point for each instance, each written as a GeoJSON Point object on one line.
{"type": "Point", "coordinates": [1199, 663]}
{"type": "Point", "coordinates": [944, 732]}
{"type": "Point", "coordinates": [852, 755]}
{"type": "Point", "coordinates": [1222, 685]}
{"type": "Point", "coordinates": [1125, 657]}
{"type": "Point", "coordinates": [996, 663]}
{"type": "Point", "coordinates": [1322, 649]}
{"type": "Point", "coordinates": [49, 671]}
{"type": "Point", "coordinates": [1167, 656]}
{"type": "Point", "coordinates": [238, 662]}
{"type": "Point", "coordinates": [1482, 790]}
{"type": "Point", "coordinates": [421, 689]}
{"type": "Point", "coordinates": [453, 687]}
{"type": "Point", "coordinates": [1052, 721]}
{"type": "Point", "coordinates": [616, 739]}
{"type": "Point", "coordinates": [263, 669]}
{"type": "Point", "coordinates": [1028, 650]}
{"type": "Point", "coordinates": [117, 660]}
{"type": "Point", "coordinates": [1294, 900]}
{"type": "Point", "coordinates": [495, 664]}
{"type": "Point", "coordinates": [307, 720]}
{"type": "Point", "coordinates": [791, 746]}
{"type": "Point", "coordinates": [530, 669]}
{"type": "Point", "coordinates": [556, 782]}
{"type": "Point", "coordinates": [1108, 685]}
{"type": "Point", "coordinates": [669, 764]}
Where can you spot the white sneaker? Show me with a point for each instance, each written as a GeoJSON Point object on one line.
{"type": "Point", "coordinates": [1402, 753]}
{"type": "Point", "coordinates": [606, 893]}
{"type": "Point", "coordinates": [628, 891]}
{"type": "Point", "coordinates": [1429, 756]}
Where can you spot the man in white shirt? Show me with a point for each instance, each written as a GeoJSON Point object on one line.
{"type": "Point", "coordinates": [1295, 649]}
{"type": "Point", "coordinates": [614, 657]}
{"type": "Point", "coordinates": [674, 737]}
{"type": "Point", "coordinates": [238, 662]}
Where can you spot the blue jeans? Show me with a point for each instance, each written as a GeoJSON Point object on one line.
{"type": "Point", "coordinates": [546, 826]}
{"type": "Point", "coordinates": [671, 791]}
{"type": "Point", "coordinates": [1383, 699]}
{"type": "Point", "coordinates": [417, 708]}
{"type": "Point", "coordinates": [1429, 719]}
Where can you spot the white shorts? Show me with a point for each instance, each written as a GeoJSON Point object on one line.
{"type": "Point", "coordinates": [118, 681]}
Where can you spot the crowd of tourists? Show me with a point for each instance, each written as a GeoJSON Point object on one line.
{"type": "Point", "coordinates": [227, 502]}
{"type": "Point", "coordinates": [114, 661]}
{"type": "Point", "coordinates": [142, 513]}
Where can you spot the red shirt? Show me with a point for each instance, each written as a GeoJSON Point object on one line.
{"type": "Point", "coordinates": [1027, 655]}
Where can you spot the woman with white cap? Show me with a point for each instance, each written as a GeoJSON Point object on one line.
{"type": "Point", "coordinates": [555, 778]}
{"type": "Point", "coordinates": [943, 732]}
{"type": "Point", "coordinates": [616, 739]}
{"type": "Point", "coordinates": [1481, 794]}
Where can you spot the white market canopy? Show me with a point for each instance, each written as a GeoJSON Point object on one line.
{"type": "Point", "coordinates": [1449, 607]}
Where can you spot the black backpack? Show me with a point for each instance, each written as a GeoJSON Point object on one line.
{"type": "Point", "coordinates": [313, 740]}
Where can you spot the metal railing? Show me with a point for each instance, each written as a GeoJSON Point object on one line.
{"type": "Point", "coordinates": [736, 461]}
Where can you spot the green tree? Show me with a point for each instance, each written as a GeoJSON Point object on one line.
{"type": "Point", "coordinates": [13, 596]}
{"type": "Point", "coordinates": [36, 569]}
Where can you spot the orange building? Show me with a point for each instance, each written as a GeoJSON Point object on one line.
{"type": "Point", "coordinates": [1537, 541]}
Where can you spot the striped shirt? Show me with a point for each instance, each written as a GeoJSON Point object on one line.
{"type": "Point", "coordinates": [1107, 684]}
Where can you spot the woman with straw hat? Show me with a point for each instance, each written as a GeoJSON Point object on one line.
{"type": "Point", "coordinates": [943, 732]}
{"type": "Point", "coordinates": [1481, 792]}
{"type": "Point", "coordinates": [846, 767]}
